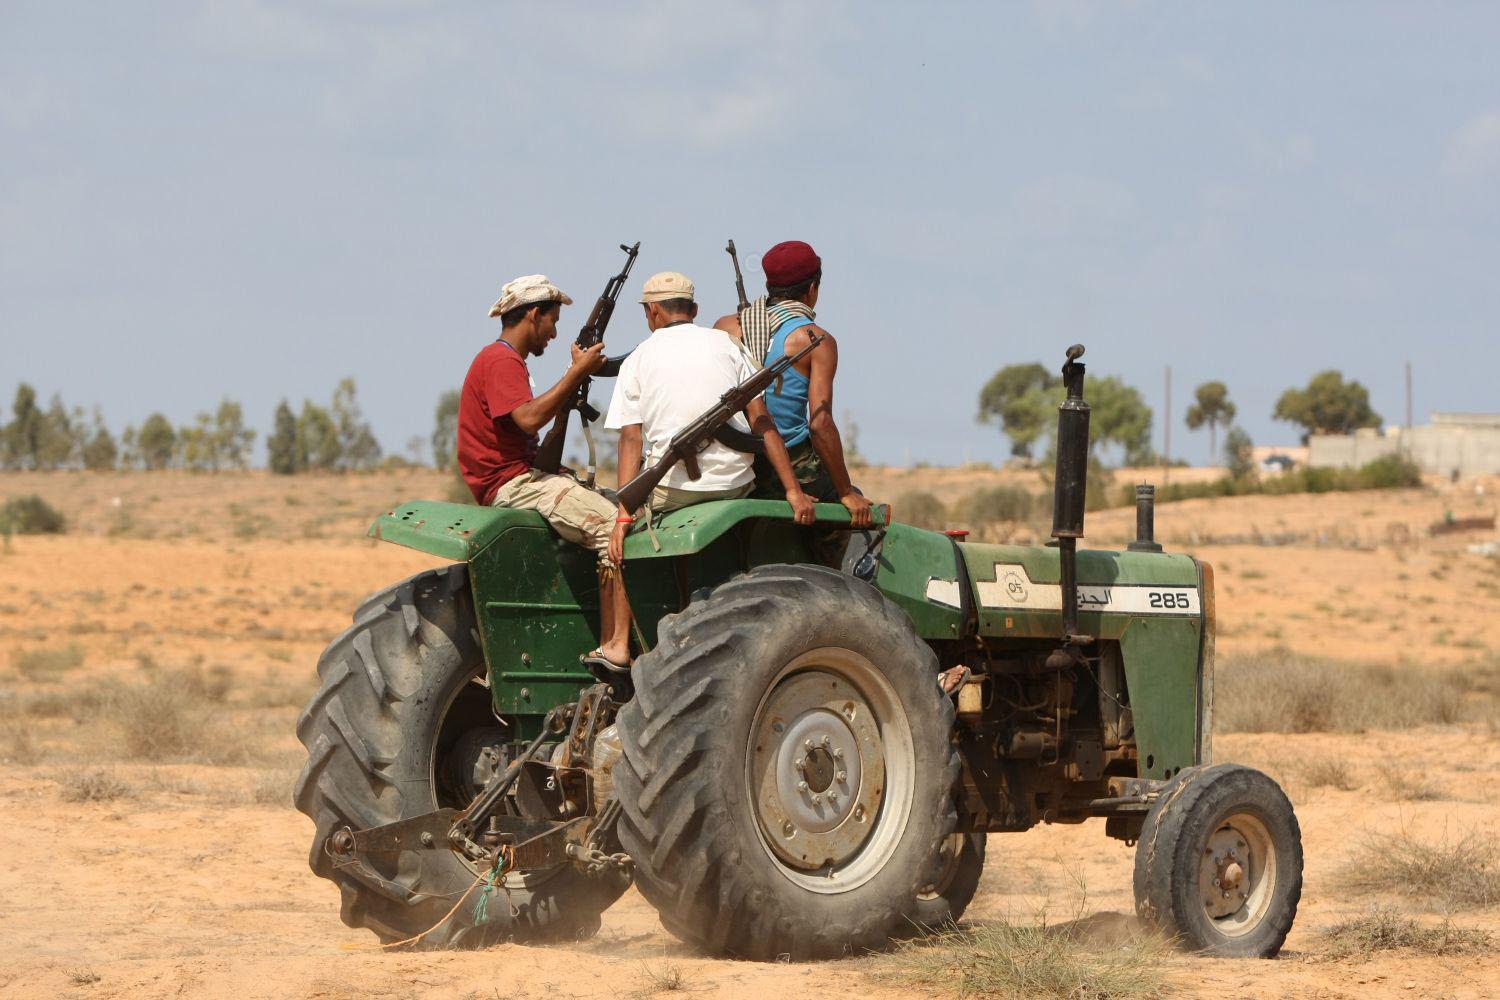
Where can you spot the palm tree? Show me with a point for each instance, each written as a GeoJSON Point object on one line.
{"type": "Point", "coordinates": [1212, 408]}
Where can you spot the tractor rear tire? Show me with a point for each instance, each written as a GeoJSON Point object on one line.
{"type": "Point", "coordinates": [1219, 862]}
{"type": "Point", "coordinates": [788, 770]}
{"type": "Point", "coordinates": [410, 661]}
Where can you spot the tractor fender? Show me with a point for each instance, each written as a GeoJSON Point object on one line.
{"type": "Point", "coordinates": [461, 531]}
{"type": "Point", "coordinates": [453, 531]}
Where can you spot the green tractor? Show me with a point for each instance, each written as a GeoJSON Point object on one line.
{"type": "Point", "coordinates": [780, 774]}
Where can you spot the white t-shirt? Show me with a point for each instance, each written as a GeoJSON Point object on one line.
{"type": "Point", "coordinates": [673, 377]}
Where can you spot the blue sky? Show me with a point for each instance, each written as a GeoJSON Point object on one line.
{"type": "Point", "coordinates": [255, 199]}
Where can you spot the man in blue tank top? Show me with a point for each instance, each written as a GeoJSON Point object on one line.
{"type": "Point", "coordinates": [802, 405]}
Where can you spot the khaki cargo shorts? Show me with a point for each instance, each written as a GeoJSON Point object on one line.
{"type": "Point", "coordinates": [575, 512]}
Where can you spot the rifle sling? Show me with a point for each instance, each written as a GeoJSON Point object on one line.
{"type": "Point", "coordinates": [738, 440]}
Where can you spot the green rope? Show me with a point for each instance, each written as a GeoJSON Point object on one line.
{"type": "Point", "coordinates": [482, 908]}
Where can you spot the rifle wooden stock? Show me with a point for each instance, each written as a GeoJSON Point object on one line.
{"type": "Point", "coordinates": [687, 443]}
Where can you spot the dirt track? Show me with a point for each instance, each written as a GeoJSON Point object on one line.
{"type": "Point", "coordinates": [195, 881]}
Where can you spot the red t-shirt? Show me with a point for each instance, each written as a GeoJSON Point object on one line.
{"type": "Point", "coordinates": [492, 450]}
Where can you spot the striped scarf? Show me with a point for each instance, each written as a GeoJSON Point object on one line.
{"type": "Point", "coordinates": [761, 319]}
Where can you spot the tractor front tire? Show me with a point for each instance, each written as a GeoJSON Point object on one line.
{"type": "Point", "coordinates": [788, 772]}
{"type": "Point", "coordinates": [1219, 862]}
{"type": "Point", "coordinates": [400, 690]}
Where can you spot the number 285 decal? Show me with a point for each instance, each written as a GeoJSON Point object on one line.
{"type": "Point", "coordinates": [1168, 599]}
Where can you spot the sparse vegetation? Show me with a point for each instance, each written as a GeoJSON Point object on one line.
{"type": "Point", "coordinates": [921, 510]}
{"type": "Point", "coordinates": [1002, 503]}
{"type": "Point", "coordinates": [1036, 960]}
{"type": "Point", "coordinates": [1279, 692]}
{"type": "Point", "coordinates": [1442, 874]}
{"type": "Point", "coordinates": [1329, 773]}
{"type": "Point", "coordinates": [1384, 929]}
{"type": "Point", "coordinates": [1391, 472]}
{"type": "Point", "coordinates": [95, 784]}
{"type": "Point", "coordinates": [665, 978]}
{"type": "Point", "coordinates": [1410, 787]}
{"type": "Point", "coordinates": [170, 717]}
{"type": "Point", "coordinates": [47, 663]}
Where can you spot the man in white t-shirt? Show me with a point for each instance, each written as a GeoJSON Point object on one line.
{"type": "Point", "coordinates": [674, 376]}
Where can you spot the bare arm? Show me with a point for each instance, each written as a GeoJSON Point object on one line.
{"type": "Point", "coordinates": [825, 433]}
{"type": "Point", "coordinates": [762, 424]}
{"type": "Point", "coordinates": [630, 452]}
{"type": "Point", "coordinates": [630, 467]}
{"type": "Point", "coordinates": [532, 416]}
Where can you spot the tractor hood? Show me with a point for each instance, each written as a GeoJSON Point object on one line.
{"type": "Point", "coordinates": [1017, 591]}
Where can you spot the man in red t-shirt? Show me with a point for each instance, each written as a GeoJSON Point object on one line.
{"type": "Point", "coordinates": [498, 421]}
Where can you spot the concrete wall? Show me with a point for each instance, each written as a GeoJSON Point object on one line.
{"type": "Point", "coordinates": [1467, 443]}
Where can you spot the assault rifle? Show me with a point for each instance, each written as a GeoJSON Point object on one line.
{"type": "Point", "coordinates": [549, 453]}
{"type": "Point", "coordinates": [692, 439]}
{"type": "Point", "coordinates": [739, 280]}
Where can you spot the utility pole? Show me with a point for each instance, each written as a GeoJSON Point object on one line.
{"type": "Point", "coordinates": [1166, 432]}
{"type": "Point", "coordinates": [1406, 434]}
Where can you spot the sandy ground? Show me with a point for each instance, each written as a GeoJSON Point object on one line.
{"type": "Point", "coordinates": [194, 882]}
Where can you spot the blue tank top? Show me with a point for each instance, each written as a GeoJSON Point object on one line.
{"type": "Point", "coordinates": [789, 406]}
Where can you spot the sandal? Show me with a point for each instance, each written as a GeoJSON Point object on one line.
{"type": "Point", "coordinates": [957, 676]}
{"type": "Point", "coordinates": [598, 659]}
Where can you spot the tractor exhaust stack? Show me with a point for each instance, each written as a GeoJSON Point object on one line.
{"type": "Point", "coordinates": [1069, 497]}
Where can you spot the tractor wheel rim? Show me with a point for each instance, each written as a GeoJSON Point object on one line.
{"type": "Point", "coordinates": [948, 858]}
{"type": "Point", "coordinates": [830, 770]}
{"type": "Point", "coordinates": [1237, 874]}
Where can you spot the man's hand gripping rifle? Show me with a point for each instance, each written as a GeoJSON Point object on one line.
{"type": "Point", "coordinates": [549, 453]}
{"type": "Point", "coordinates": [687, 443]}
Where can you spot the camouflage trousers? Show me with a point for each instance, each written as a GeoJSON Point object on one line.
{"type": "Point", "coordinates": [806, 466]}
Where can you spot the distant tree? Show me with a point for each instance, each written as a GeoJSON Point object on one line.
{"type": "Point", "coordinates": [317, 439]}
{"type": "Point", "coordinates": [21, 438]}
{"type": "Point", "coordinates": [130, 452]}
{"type": "Point", "coordinates": [57, 443]}
{"type": "Point", "coordinates": [156, 442]}
{"type": "Point", "coordinates": [1120, 417]}
{"type": "Point", "coordinates": [99, 450]}
{"type": "Point", "coordinates": [358, 449]}
{"type": "Point", "coordinates": [445, 430]}
{"type": "Point", "coordinates": [281, 445]}
{"type": "Point", "coordinates": [1328, 405]}
{"type": "Point", "coordinates": [1211, 409]}
{"type": "Point", "coordinates": [1239, 453]}
{"type": "Point", "coordinates": [1022, 399]}
{"type": "Point", "coordinates": [232, 440]}
{"type": "Point", "coordinates": [195, 444]}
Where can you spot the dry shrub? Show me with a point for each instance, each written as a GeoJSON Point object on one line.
{"type": "Point", "coordinates": [1035, 960]}
{"type": "Point", "coordinates": [1280, 692]}
{"type": "Point", "coordinates": [272, 788]}
{"type": "Point", "coordinates": [47, 664]}
{"type": "Point", "coordinates": [94, 784]}
{"type": "Point", "coordinates": [1408, 787]}
{"type": "Point", "coordinates": [1329, 773]}
{"type": "Point", "coordinates": [1462, 873]}
{"type": "Point", "coordinates": [920, 509]}
{"type": "Point", "coordinates": [83, 703]}
{"type": "Point", "coordinates": [20, 746]}
{"type": "Point", "coordinates": [666, 978]}
{"type": "Point", "coordinates": [278, 691]}
{"type": "Point", "coordinates": [173, 717]}
{"type": "Point", "coordinates": [1384, 929]}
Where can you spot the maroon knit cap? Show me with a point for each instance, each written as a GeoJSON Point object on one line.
{"type": "Point", "coordinates": [790, 263]}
